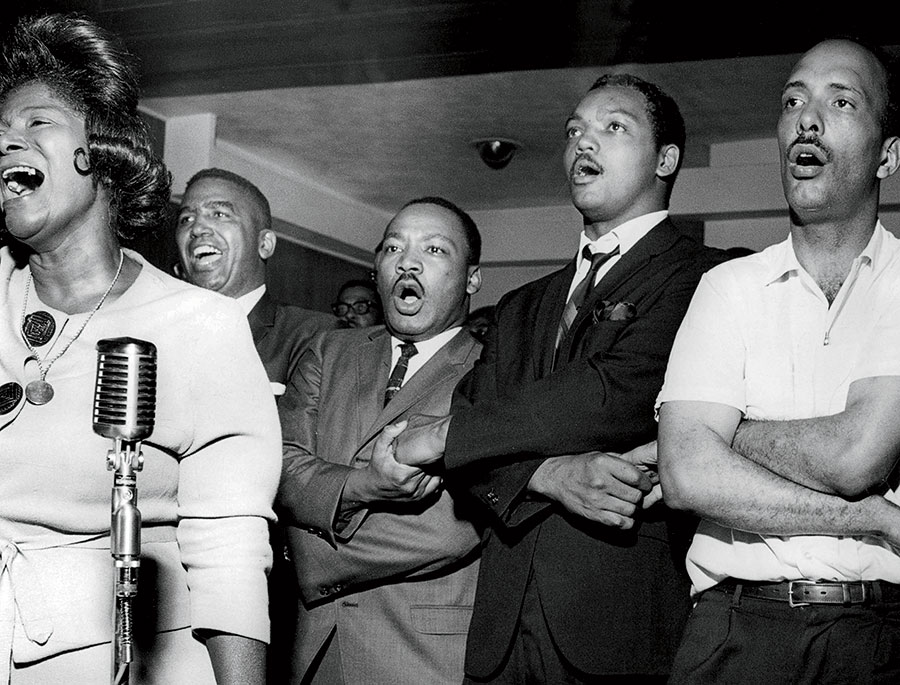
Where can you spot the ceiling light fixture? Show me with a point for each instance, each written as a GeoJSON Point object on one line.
{"type": "Point", "coordinates": [496, 152]}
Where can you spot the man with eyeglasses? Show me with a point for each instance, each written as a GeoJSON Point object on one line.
{"type": "Point", "coordinates": [357, 305]}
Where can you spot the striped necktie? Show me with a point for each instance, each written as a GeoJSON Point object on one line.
{"type": "Point", "coordinates": [582, 289]}
{"type": "Point", "coordinates": [407, 350]}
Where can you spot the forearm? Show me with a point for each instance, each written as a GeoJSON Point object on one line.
{"type": "Point", "coordinates": [722, 486]}
{"type": "Point", "coordinates": [356, 493]}
{"type": "Point", "coordinates": [800, 451]}
{"type": "Point", "coordinates": [504, 491]}
{"type": "Point", "coordinates": [748, 497]}
{"type": "Point", "coordinates": [404, 542]}
{"type": "Point", "coordinates": [237, 660]}
{"type": "Point", "coordinates": [848, 453]}
{"type": "Point", "coordinates": [310, 489]}
{"type": "Point", "coordinates": [543, 418]}
{"type": "Point", "coordinates": [352, 505]}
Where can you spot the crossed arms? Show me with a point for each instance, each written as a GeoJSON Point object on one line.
{"type": "Point", "coordinates": [823, 475]}
{"type": "Point", "coordinates": [702, 472]}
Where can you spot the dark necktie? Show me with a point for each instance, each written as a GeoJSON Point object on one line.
{"type": "Point", "coordinates": [582, 289]}
{"type": "Point", "coordinates": [407, 350]}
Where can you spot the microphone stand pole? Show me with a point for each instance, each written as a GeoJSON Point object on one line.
{"type": "Point", "coordinates": [125, 460]}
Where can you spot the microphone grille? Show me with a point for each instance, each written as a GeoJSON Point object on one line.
{"type": "Point", "coordinates": [125, 394]}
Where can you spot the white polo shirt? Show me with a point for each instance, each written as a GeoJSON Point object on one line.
{"type": "Point", "coordinates": [759, 336]}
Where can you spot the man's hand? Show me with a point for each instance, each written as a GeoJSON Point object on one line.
{"type": "Point", "coordinates": [644, 458]}
{"type": "Point", "coordinates": [423, 441]}
{"type": "Point", "coordinates": [386, 479]}
{"type": "Point", "coordinates": [595, 485]}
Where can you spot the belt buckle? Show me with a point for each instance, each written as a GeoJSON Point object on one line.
{"type": "Point", "coordinates": [791, 584]}
{"type": "Point", "coordinates": [866, 596]}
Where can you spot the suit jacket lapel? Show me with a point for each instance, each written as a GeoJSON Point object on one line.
{"type": "Point", "coordinates": [549, 314]}
{"type": "Point", "coordinates": [660, 238]}
{"type": "Point", "coordinates": [443, 365]}
{"type": "Point", "coordinates": [373, 364]}
{"type": "Point", "coordinates": [262, 317]}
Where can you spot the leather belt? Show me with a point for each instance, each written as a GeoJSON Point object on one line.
{"type": "Point", "coordinates": [799, 593]}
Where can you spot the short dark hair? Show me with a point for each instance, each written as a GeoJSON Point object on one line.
{"type": "Point", "coordinates": [259, 199]}
{"type": "Point", "coordinates": [92, 72]}
{"type": "Point", "coordinates": [665, 117]}
{"type": "Point", "coordinates": [359, 283]}
{"type": "Point", "coordinates": [470, 230]}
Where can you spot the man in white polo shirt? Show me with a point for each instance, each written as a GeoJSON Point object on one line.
{"type": "Point", "coordinates": [779, 414]}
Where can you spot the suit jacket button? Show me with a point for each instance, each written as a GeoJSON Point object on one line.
{"type": "Point", "coordinates": [324, 590]}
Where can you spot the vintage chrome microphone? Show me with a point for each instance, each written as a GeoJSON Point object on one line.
{"type": "Point", "coordinates": [125, 411]}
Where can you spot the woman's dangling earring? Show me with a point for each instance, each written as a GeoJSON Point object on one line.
{"type": "Point", "coordinates": [82, 162]}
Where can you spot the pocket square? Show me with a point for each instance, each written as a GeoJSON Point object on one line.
{"type": "Point", "coordinates": [613, 311]}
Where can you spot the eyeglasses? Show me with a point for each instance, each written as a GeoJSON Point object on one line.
{"type": "Point", "coordinates": [361, 307]}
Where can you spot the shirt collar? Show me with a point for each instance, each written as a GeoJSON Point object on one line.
{"type": "Point", "coordinates": [426, 348]}
{"type": "Point", "coordinates": [249, 300]}
{"type": "Point", "coordinates": [786, 261]}
{"type": "Point", "coordinates": [624, 235]}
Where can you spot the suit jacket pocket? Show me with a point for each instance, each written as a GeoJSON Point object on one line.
{"type": "Point", "coordinates": [594, 338]}
{"type": "Point", "coordinates": [440, 620]}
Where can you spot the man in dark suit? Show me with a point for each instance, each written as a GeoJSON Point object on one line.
{"type": "Point", "coordinates": [582, 571]}
{"type": "Point", "coordinates": [224, 237]}
{"type": "Point", "coordinates": [386, 562]}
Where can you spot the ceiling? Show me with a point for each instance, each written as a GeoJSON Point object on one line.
{"type": "Point", "coordinates": [381, 100]}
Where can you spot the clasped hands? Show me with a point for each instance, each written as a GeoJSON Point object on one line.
{"type": "Point", "coordinates": [385, 478]}
{"type": "Point", "coordinates": [607, 488]}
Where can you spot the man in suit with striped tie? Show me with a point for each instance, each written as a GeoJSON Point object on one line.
{"type": "Point", "coordinates": [581, 579]}
{"type": "Point", "coordinates": [386, 560]}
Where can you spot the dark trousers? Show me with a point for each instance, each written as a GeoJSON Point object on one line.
{"type": "Point", "coordinates": [283, 598]}
{"type": "Point", "coordinates": [734, 639]}
{"type": "Point", "coordinates": [535, 660]}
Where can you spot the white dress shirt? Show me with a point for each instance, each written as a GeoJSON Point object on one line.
{"type": "Point", "coordinates": [249, 300]}
{"type": "Point", "coordinates": [426, 349]}
{"type": "Point", "coordinates": [625, 236]}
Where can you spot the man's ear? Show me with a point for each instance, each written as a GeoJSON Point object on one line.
{"type": "Point", "coordinates": [890, 157]}
{"type": "Point", "coordinates": [667, 160]}
{"type": "Point", "coordinates": [266, 243]}
{"type": "Point", "coordinates": [473, 282]}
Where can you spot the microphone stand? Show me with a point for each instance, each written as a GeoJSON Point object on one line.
{"type": "Point", "coordinates": [125, 460]}
{"type": "Point", "coordinates": [125, 410]}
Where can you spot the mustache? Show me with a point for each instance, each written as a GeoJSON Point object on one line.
{"type": "Point", "coordinates": [810, 139]}
{"type": "Point", "coordinates": [584, 157]}
{"type": "Point", "coordinates": [405, 278]}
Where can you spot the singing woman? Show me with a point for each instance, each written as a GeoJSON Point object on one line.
{"type": "Point", "coordinates": [76, 175]}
